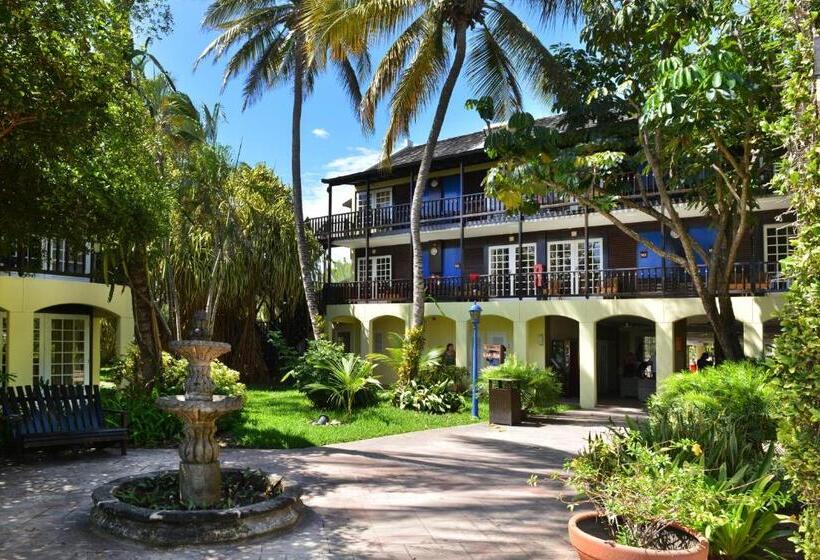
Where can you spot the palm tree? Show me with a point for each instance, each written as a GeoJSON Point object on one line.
{"type": "Point", "coordinates": [348, 375]}
{"type": "Point", "coordinates": [418, 63]}
{"type": "Point", "coordinates": [266, 41]}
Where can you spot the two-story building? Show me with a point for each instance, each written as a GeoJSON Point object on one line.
{"type": "Point", "coordinates": [562, 287]}
{"type": "Point", "coordinates": [56, 313]}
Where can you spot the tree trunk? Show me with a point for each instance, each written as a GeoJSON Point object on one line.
{"type": "Point", "coordinates": [410, 367]}
{"type": "Point", "coordinates": [296, 172]}
{"type": "Point", "coordinates": [146, 325]}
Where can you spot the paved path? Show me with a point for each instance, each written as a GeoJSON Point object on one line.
{"type": "Point", "coordinates": [448, 493]}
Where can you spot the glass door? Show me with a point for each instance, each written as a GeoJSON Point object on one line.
{"type": "Point", "coordinates": [503, 267]}
{"type": "Point", "coordinates": [566, 266]}
{"type": "Point", "coordinates": [377, 279]}
{"type": "Point", "coordinates": [62, 349]}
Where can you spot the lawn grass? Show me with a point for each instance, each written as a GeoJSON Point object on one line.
{"type": "Point", "coordinates": [283, 420]}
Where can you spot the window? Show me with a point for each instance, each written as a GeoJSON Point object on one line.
{"type": "Point", "coordinates": [503, 266]}
{"type": "Point", "coordinates": [61, 349]}
{"type": "Point", "coordinates": [777, 246]}
{"type": "Point", "coordinates": [379, 198]}
{"type": "Point", "coordinates": [565, 265]}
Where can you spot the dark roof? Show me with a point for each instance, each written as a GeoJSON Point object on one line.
{"type": "Point", "coordinates": [448, 148]}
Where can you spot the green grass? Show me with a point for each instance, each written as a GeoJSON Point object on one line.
{"type": "Point", "coordinates": [282, 420]}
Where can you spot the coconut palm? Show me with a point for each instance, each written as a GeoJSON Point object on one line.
{"type": "Point", "coordinates": [265, 41]}
{"type": "Point", "coordinates": [348, 375]}
{"type": "Point", "coordinates": [418, 63]}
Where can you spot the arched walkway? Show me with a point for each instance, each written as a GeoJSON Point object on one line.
{"type": "Point", "coordinates": [439, 331]}
{"type": "Point", "coordinates": [626, 358]}
{"type": "Point", "coordinates": [498, 332]}
{"type": "Point", "coordinates": [385, 332]}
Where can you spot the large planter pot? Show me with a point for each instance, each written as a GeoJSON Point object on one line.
{"type": "Point", "coordinates": [590, 547]}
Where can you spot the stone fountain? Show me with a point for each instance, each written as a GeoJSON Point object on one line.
{"type": "Point", "coordinates": [200, 478]}
{"type": "Point", "coordinates": [201, 519]}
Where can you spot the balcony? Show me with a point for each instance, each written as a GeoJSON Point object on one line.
{"type": "Point", "coordinates": [474, 209]}
{"type": "Point", "coordinates": [747, 279]}
{"type": "Point", "coordinates": [51, 257]}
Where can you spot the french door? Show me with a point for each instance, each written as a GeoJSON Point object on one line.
{"type": "Point", "coordinates": [777, 246]}
{"type": "Point", "coordinates": [61, 349]}
{"type": "Point", "coordinates": [374, 279]}
{"type": "Point", "coordinates": [503, 266]}
{"type": "Point", "coordinates": [381, 205]}
{"type": "Point", "coordinates": [566, 266]}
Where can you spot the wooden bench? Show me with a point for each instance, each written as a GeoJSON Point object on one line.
{"type": "Point", "coordinates": [60, 415]}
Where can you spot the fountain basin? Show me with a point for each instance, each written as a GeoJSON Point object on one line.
{"type": "Point", "coordinates": [169, 527]}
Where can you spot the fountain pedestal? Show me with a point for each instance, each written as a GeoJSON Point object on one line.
{"type": "Point", "coordinates": [200, 477]}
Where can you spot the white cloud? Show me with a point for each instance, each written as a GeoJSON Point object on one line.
{"type": "Point", "coordinates": [320, 133]}
{"type": "Point", "coordinates": [361, 159]}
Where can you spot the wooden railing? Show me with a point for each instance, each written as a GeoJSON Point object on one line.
{"type": "Point", "coordinates": [52, 257]}
{"type": "Point", "coordinates": [746, 279]}
{"type": "Point", "coordinates": [473, 208]}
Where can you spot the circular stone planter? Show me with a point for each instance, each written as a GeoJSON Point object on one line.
{"type": "Point", "coordinates": [590, 547]}
{"type": "Point", "coordinates": [178, 527]}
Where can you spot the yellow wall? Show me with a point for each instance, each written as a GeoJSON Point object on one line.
{"type": "Point", "coordinates": [23, 297]}
{"type": "Point", "coordinates": [382, 328]}
{"type": "Point", "coordinates": [439, 332]}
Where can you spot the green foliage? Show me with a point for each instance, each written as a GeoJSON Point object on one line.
{"type": "Point", "coordinates": [346, 378]}
{"type": "Point", "coordinates": [796, 363]}
{"type": "Point", "coordinates": [435, 398]}
{"type": "Point", "coordinates": [411, 356]}
{"type": "Point", "coordinates": [457, 378]}
{"type": "Point", "coordinates": [286, 356]}
{"type": "Point", "coordinates": [540, 388]}
{"type": "Point", "coordinates": [730, 410]}
{"type": "Point", "coordinates": [640, 488]}
{"type": "Point", "coordinates": [148, 426]}
{"type": "Point", "coordinates": [311, 368]}
{"type": "Point", "coordinates": [404, 350]}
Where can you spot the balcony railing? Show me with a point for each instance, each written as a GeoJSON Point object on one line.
{"type": "Point", "coordinates": [746, 279]}
{"type": "Point", "coordinates": [472, 208]}
{"type": "Point", "coordinates": [53, 257]}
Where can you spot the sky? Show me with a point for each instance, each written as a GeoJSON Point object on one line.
{"type": "Point", "coordinates": [332, 141]}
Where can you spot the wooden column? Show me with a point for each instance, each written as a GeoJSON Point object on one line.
{"type": "Point", "coordinates": [586, 244]}
{"type": "Point", "coordinates": [368, 214]}
{"type": "Point", "coordinates": [329, 263]}
{"type": "Point", "coordinates": [518, 268]}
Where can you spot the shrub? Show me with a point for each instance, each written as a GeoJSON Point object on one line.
{"type": "Point", "coordinates": [148, 426]}
{"type": "Point", "coordinates": [540, 389]}
{"type": "Point", "coordinates": [728, 409]}
{"type": "Point", "coordinates": [640, 488]}
{"type": "Point", "coordinates": [456, 378]}
{"type": "Point", "coordinates": [435, 398]}
{"type": "Point", "coordinates": [313, 371]}
{"type": "Point", "coordinates": [396, 356]}
{"type": "Point", "coordinates": [346, 377]}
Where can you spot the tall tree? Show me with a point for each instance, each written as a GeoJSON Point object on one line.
{"type": "Point", "coordinates": [697, 79]}
{"type": "Point", "coordinates": [265, 40]}
{"type": "Point", "coordinates": [426, 55]}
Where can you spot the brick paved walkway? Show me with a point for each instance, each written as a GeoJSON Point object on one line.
{"type": "Point", "coordinates": [448, 493]}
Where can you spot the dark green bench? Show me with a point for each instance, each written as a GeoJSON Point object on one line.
{"type": "Point", "coordinates": [60, 415]}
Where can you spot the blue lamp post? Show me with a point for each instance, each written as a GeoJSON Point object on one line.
{"type": "Point", "coordinates": [475, 316]}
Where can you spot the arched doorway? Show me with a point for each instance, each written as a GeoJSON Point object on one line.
{"type": "Point", "coordinates": [701, 345]}
{"type": "Point", "coordinates": [347, 331]}
{"type": "Point", "coordinates": [496, 334]}
{"type": "Point", "coordinates": [385, 332]}
{"type": "Point", "coordinates": [626, 358]}
{"type": "Point", "coordinates": [439, 331]}
{"type": "Point", "coordinates": [552, 341]}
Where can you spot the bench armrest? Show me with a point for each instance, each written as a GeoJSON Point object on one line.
{"type": "Point", "coordinates": [11, 418]}
{"type": "Point", "coordinates": [123, 414]}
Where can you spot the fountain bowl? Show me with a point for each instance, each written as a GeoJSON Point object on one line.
{"type": "Point", "coordinates": [172, 527]}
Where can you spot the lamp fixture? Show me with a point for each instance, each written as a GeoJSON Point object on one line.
{"type": "Point", "coordinates": [434, 183]}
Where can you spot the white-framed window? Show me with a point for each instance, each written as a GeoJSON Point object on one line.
{"type": "Point", "coordinates": [59, 257]}
{"type": "Point", "coordinates": [565, 265]}
{"type": "Point", "coordinates": [379, 275]}
{"type": "Point", "coordinates": [503, 266]}
{"type": "Point", "coordinates": [381, 204]}
{"type": "Point", "coordinates": [776, 247]}
{"type": "Point", "coordinates": [61, 349]}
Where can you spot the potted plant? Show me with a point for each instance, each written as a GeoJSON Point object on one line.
{"type": "Point", "coordinates": [643, 502]}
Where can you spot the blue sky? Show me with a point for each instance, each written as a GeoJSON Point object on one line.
{"type": "Point", "coordinates": [332, 140]}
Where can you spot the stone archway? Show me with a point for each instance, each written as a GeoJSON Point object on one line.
{"type": "Point", "coordinates": [347, 331]}
{"type": "Point", "coordinates": [626, 358]}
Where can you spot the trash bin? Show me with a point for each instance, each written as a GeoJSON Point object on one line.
{"type": "Point", "coordinates": [505, 402]}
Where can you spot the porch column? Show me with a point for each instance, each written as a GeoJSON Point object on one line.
{"type": "Point", "coordinates": [364, 339]}
{"type": "Point", "coordinates": [20, 346]}
{"type": "Point", "coordinates": [464, 343]}
{"type": "Point", "coordinates": [96, 354]}
{"type": "Point", "coordinates": [519, 342]}
{"type": "Point", "coordinates": [587, 358]}
{"type": "Point", "coordinates": [664, 351]}
{"type": "Point", "coordinates": [753, 339]}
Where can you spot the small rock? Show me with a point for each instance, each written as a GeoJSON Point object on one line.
{"type": "Point", "coordinates": [321, 421]}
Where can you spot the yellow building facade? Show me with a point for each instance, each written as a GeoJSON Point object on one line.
{"type": "Point", "coordinates": [52, 327]}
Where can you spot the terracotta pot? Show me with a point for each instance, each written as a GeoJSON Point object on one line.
{"type": "Point", "coordinates": [593, 548]}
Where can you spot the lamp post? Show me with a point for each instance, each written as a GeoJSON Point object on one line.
{"type": "Point", "coordinates": [475, 316]}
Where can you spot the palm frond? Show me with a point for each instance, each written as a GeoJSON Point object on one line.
{"type": "Point", "coordinates": [492, 73]}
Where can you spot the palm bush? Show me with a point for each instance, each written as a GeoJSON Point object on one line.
{"type": "Point", "coordinates": [347, 377]}
{"type": "Point", "coordinates": [435, 398]}
{"type": "Point", "coordinates": [730, 410]}
{"type": "Point", "coordinates": [395, 355]}
{"type": "Point", "coordinates": [312, 369]}
{"type": "Point", "coordinates": [540, 388]}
